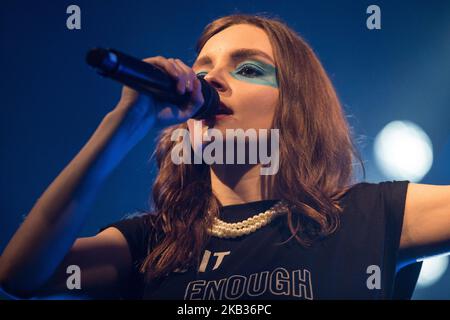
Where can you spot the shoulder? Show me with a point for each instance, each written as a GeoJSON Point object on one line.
{"type": "Point", "coordinates": [135, 224]}
{"type": "Point", "coordinates": [378, 206]}
{"type": "Point", "coordinates": [385, 194]}
{"type": "Point", "coordinates": [137, 219]}
{"type": "Point", "coordinates": [137, 228]}
{"type": "Point", "coordinates": [374, 187]}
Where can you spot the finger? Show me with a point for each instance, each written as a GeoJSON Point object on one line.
{"type": "Point", "coordinates": [181, 83]}
{"type": "Point", "coordinates": [189, 73]}
{"type": "Point", "coordinates": [171, 67]}
{"type": "Point", "coordinates": [197, 95]}
{"type": "Point", "coordinates": [165, 65]}
{"type": "Point", "coordinates": [175, 65]}
{"type": "Point", "coordinates": [196, 99]}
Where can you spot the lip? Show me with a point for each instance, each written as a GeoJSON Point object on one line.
{"type": "Point", "coordinates": [221, 116]}
{"type": "Point", "coordinates": [226, 109]}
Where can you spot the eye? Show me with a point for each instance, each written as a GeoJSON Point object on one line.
{"type": "Point", "coordinates": [249, 70]}
{"type": "Point", "coordinates": [202, 74]}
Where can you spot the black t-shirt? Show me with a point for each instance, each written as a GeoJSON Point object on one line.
{"type": "Point", "coordinates": [357, 262]}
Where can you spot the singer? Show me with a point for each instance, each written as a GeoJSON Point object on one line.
{"type": "Point", "coordinates": [223, 230]}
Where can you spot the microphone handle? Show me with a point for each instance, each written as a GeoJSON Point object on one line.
{"type": "Point", "coordinates": [148, 79]}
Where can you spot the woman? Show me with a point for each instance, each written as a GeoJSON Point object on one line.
{"type": "Point", "coordinates": [324, 235]}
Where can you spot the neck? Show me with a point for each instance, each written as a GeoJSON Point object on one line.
{"type": "Point", "coordinates": [237, 184]}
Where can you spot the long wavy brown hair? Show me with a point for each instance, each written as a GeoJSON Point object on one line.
{"type": "Point", "coordinates": [316, 150]}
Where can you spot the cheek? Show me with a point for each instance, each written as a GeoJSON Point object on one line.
{"type": "Point", "coordinates": [258, 107]}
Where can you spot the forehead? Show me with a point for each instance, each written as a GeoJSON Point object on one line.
{"type": "Point", "coordinates": [237, 37]}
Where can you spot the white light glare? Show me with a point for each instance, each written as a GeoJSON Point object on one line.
{"type": "Point", "coordinates": [432, 270]}
{"type": "Point", "coordinates": [403, 151]}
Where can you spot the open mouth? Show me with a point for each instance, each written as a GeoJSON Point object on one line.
{"type": "Point", "coordinates": [223, 109]}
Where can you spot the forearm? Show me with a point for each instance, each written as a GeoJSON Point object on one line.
{"type": "Point", "coordinates": [54, 222]}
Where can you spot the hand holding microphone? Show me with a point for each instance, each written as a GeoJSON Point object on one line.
{"type": "Point", "coordinates": [165, 89]}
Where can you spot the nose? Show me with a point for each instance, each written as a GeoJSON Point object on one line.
{"type": "Point", "coordinates": [217, 81]}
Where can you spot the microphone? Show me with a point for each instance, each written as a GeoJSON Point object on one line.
{"type": "Point", "coordinates": [148, 79]}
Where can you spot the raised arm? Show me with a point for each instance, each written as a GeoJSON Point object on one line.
{"type": "Point", "coordinates": [34, 260]}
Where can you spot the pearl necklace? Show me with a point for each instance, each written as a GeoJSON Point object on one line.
{"type": "Point", "coordinates": [224, 229]}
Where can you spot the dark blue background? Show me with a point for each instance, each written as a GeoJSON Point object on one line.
{"type": "Point", "coordinates": [51, 102]}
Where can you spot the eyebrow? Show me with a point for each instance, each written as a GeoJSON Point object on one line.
{"type": "Point", "coordinates": [236, 55]}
